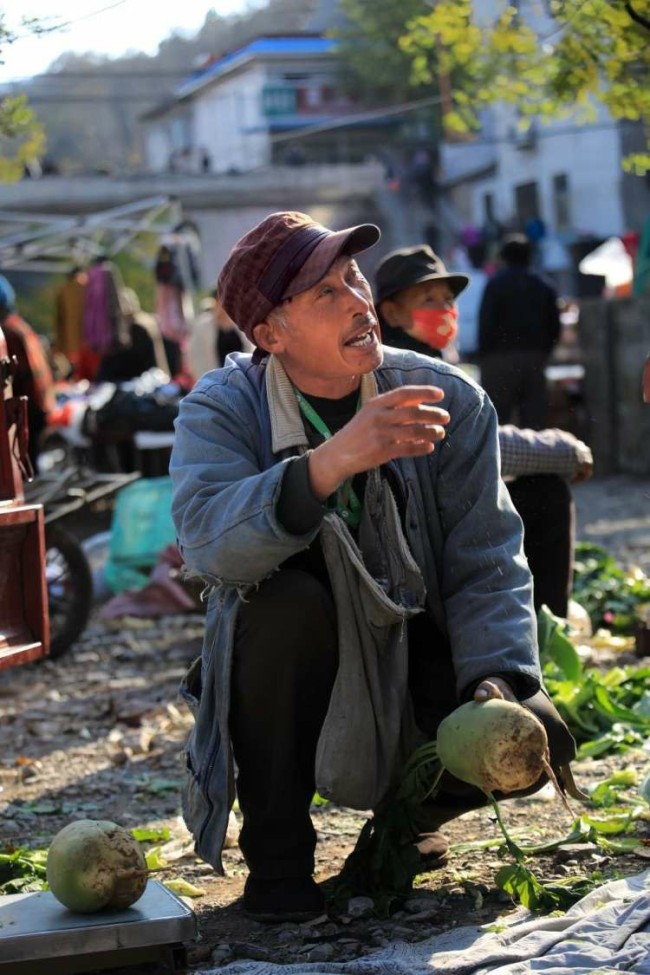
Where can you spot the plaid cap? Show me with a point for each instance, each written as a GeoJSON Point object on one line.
{"type": "Point", "coordinates": [285, 254]}
{"type": "Point", "coordinates": [403, 268]}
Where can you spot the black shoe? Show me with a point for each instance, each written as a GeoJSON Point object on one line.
{"type": "Point", "coordinates": [285, 899]}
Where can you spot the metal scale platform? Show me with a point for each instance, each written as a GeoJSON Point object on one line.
{"type": "Point", "coordinates": [38, 936]}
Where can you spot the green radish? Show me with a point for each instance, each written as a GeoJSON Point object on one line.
{"type": "Point", "coordinates": [95, 865]}
{"type": "Point", "coordinates": [495, 745]}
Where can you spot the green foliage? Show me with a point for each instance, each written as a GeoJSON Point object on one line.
{"type": "Point", "coordinates": [36, 298]}
{"type": "Point", "coordinates": [385, 860]}
{"type": "Point", "coordinates": [555, 645]}
{"type": "Point", "coordinates": [558, 895]}
{"type": "Point", "coordinates": [374, 65]}
{"type": "Point", "coordinates": [611, 596]}
{"type": "Point", "coordinates": [150, 834]}
{"type": "Point", "coordinates": [22, 870]}
{"type": "Point", "coordinates": [608, 792]}
{"type": "Point", "coordinates": [603, 710]}
{"type": "Point", "coordinates": [22, 138]}
{"type": "Point", "coordinates": [594, 53]}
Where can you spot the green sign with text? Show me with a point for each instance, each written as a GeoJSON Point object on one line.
{"type": "Point", "coordinates": [279, 100]}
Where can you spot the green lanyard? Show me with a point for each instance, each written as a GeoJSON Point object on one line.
{"type": "Point", "coordinates": [346, 501]}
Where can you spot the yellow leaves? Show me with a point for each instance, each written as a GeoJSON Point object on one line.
{"type": "Point", "coordinates": [454, 122]}
{"type": "Point", "coordinates": [420, 70]}
{"type": "Point", "coordinates": [592, 51]}
{"type": "Point", "coordinates": [605, 640]}
{"type": "Point", "coordinates": [637, 163]}
{"type": "Point", "coordinates": [184, 888]}
{"type": "Point", "coordinates": [464, 52]}
{"type": "Point", "coordinates": [506, 38]}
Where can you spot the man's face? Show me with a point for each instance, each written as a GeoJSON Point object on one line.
{"type": "Point", "coordinates": [329, 336]}
{"type": "Point", "coordinates": [398, 310]}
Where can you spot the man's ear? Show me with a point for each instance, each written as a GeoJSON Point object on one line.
{"type": "Point", "coordinates": [392, 313]}
{"type": "Point", "coordinates": [269, 336]}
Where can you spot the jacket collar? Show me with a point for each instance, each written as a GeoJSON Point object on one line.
{"type": "Point", "coordinates": [287, 428]}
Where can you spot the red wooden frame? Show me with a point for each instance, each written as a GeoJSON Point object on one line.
{"type": "Point", "coordinates": [24, 622]}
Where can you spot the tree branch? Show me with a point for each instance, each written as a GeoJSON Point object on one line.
{"type": "Point", "coordinates": [636, 17]}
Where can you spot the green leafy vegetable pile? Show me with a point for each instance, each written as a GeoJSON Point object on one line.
{"type": "Point", "coordinates": [605, 710]}
{"type": "Point", "coordinates": [611, 596]}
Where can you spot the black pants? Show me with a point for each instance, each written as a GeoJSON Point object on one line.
{"type": "Point", "coordinates": [284, 666]}
{"type": "Point", "coordinates": [516, 384]}
{"type": "Point", "coordinates": [545, 505]}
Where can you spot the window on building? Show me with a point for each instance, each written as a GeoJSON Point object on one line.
{"type": "Point", "coordinates": [526, 203]}
{"type": "Point", "coordinates": [561, 202]}
{"type": "Point", "coordinates": [313, 97]}
{"type": "Point", "coordinates": [488, 207]}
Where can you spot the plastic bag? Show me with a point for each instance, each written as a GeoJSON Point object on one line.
{"type": "Point", "coordinates": [141, 528]}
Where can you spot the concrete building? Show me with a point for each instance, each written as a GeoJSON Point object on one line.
{"type": "Point", "coordinates": [238, 112]}
{"type": "Point", "coordinates": [567, 174]}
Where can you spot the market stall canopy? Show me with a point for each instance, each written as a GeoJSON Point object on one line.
{"type": "Point", "coordinates": [55, 244]}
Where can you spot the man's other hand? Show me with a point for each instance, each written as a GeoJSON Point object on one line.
{"type": "Point", "coordinates": [494, 687]}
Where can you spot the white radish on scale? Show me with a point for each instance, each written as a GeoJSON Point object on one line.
{"type": "Point", "coordinates": [95, 865]}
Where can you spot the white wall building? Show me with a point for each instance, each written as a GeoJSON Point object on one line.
{"type": "Point", "coordinates": [568, 175]}
{"type": "Point", "coordinates": [224, 117]}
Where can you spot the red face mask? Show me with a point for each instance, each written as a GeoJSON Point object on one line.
{"type": "Point", "coordinates": [436, 327]}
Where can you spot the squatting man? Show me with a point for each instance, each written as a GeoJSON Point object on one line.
{"type": "Point", "coordinates": [300, 450]}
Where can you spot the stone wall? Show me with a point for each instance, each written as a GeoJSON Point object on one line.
{"type": "Point", "coordinates": [615, 340]}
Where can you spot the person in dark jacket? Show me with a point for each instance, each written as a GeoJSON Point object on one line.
{"type": "Point", "coordinates": [519, 324]}
{"type": "Point", "coordinates": [415, 291]}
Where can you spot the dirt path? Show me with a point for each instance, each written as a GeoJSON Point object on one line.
{"type": "Point", "coordinates": [98, 735]}
{"type": "Point", "coordinates": [615, 512]}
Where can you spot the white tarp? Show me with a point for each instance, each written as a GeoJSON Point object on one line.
{"type": "Point", "coordinates": [611, 261]}
{"type": "Point", "coordinates": [607, 931]}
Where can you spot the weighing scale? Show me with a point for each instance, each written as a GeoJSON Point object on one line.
{"type": "Point", "coordinates": [39, 935]}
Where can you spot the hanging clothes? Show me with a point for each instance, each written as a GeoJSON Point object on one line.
{"type": "Point", "coordinates": [104, 324]}
{"type": "Point", "coordinates": [170, 314]}
{"type": "Point", "coordinates": [170, 288]}
{"type": "Point", "coordinates": [69, 314]}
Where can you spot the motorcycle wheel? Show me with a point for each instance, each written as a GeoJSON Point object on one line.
{"type": "Point", "coordinates": [69, 588]}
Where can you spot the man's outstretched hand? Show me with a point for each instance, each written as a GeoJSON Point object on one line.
{"type": "Point", "coordinates": [401, 423]}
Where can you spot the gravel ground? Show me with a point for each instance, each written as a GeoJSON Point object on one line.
{"type": "Point", "coordinates": [614, 512]}
{"type": "Point", "coordinates": [99, 734]}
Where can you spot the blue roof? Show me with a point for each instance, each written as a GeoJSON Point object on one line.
{"type": "Point", "coordinates": [276, 46]}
